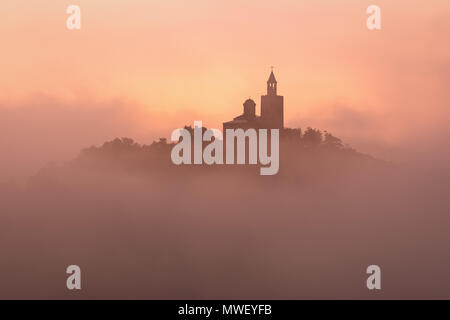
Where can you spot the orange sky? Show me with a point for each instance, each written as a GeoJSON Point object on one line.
{"type": "Point", "coordinates": [177, 61]}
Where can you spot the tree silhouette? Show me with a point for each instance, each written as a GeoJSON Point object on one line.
{"type": "Point", "coordinates": [332, 141]}
{"type": "Point", "coordinates": [312, 137]}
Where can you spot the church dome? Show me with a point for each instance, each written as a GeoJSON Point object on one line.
{"type": "Point", "coordinates": [249, 108]}
{"type": "Point", "coordinates": [249, 102]}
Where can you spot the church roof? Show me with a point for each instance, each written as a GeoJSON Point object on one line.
{"type": "Point", "coordinates": [237, 121]}
{"type": "Point", "coordinates": [242, 119]}
{"type": "Point", "coordinates": [250, 101]}
{"type": "Point", "coordinates": [272, 78]}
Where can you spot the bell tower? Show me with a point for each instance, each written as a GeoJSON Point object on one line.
{"type": "Point", "coordinates": [272, 106]}
{"type": "Point", "coordinates": [272, 85]}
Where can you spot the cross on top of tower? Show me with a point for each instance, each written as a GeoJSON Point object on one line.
{"type": "Point", "coordinates": [272, 78]}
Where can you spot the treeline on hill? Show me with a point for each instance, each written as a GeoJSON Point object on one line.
{"type": "Point", "coordinates": [310, 152]}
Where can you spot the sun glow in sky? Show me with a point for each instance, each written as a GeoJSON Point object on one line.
{"type": "Point", "coordinates": [181, 61]}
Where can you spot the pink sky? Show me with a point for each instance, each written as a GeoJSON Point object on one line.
{"type": "Point", "coordinates": [169, 63]}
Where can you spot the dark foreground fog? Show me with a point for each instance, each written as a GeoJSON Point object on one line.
{"type": "Point", "coordinates": [196, 233]}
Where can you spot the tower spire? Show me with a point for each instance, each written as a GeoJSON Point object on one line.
{"type": "Point", "coordinates": [272, 84]}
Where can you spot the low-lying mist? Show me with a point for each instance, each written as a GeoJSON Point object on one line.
{"type": "Point", "coordinates": [140, 227]}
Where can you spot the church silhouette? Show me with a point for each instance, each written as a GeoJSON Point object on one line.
{"type": "Point", "coordinates": [272, 113]}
